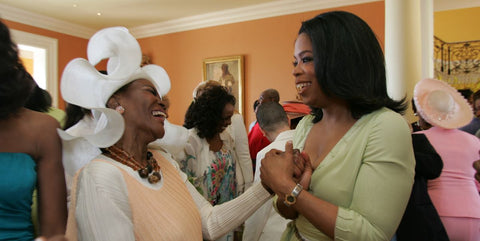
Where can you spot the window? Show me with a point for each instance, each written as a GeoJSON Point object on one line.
{"type": "Point", "coordinates": [40, 55]}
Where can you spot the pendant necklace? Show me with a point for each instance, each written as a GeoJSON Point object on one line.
{"type": "Point", "coordinates": [151, 171]}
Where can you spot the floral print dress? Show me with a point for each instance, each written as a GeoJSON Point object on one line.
{"type": "Point", "coordinates": [216, 179]}
{"type": "Point", "coordinates": [214, 174]}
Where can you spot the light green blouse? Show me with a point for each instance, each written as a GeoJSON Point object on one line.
{"type": "Point", "coordinates": [368, 175]}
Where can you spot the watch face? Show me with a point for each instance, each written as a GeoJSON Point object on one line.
{"type": "Point", "coordinates": [290, 199]}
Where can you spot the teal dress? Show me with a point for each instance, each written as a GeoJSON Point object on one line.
{"type": "Point", "coordinates": [18, 179]}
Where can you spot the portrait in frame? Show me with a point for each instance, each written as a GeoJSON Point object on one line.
{"type": "Point", "coordinates": [229, 72]}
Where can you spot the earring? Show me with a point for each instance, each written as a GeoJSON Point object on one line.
{"type": "Point", "coordinates": [120, 109]}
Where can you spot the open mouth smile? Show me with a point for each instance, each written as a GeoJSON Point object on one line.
{"type": "Point", "coordinates": [302, 86]}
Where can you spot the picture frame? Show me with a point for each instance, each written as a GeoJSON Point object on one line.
{"type": "Point", "coordinates": [228, 71]}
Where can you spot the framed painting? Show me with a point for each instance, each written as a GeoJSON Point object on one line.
{"type": "Point", "coordinates": [229, 72]}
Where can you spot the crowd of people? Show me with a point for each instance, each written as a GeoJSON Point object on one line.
{"type": "Point", "coordinates": [115, 168]}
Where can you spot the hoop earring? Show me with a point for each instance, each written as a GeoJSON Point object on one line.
{"type": "Point", "coordinates": [120, 109]}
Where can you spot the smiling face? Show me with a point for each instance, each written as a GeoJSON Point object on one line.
{"type": "Point", "coordinates": [144, 110]}
{"type": "Point", "coordinates": [304, 72]}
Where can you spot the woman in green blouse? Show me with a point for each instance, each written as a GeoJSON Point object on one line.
{"type": "Point", "coordinates": [357, 146]}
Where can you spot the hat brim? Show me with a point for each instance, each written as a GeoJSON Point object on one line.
{"type": "Point", "coordinates": [462, 112]}
{"type": "Point", "coordinates": [83, 85]}
{"type": "Point", "coordinates": [103, 129]}
{"type": "Point", "coordinates": [155, 74]}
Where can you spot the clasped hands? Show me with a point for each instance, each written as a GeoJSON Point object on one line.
{"type": "Point", "coordinates": [280, 171]}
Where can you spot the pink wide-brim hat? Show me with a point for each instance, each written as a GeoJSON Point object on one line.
{"type": "Point", "coordinates": [441, 105]}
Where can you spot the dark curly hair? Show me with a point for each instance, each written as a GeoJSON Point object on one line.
{"type": "Point", "coordinates": [15, 83]}
{"type": "Point", "coordinates": [205, 112]}
{"type": "Point", "coordinates": [349, 62]}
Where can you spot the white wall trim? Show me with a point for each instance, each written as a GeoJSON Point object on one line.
{"type": "Point", "coordinates": [45, 22]}
{"type": "Point", "coordinates": [272, 9]}
{"type": "Point", "coordinates": [51, 47]}
{"type": "Point", "coordinates": [265, 10]}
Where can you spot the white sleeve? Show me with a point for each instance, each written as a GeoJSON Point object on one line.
{"type": "Point", "coordinates": [220, 219]}
{"type": "Point", "coordinates": [102, 208]}
{"type": "Point", "coordinates": [196, 153]}
{"type": "Point", "coordinates": [240, 138]}
{"type": "Point", "coordinates": [260, 156]}
{"type": "Point", "coordinates": [255, 224]}
{"type": "Point", "coordinates": [173, 141]}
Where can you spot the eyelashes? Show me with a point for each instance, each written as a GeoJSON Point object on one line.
{"type": "Point", "coordinates": [304, 60]}
{"type": "Point", "coordinates": [307, 59]}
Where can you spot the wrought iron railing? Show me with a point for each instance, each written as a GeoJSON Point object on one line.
{"type": "Point", "coordinates": [458, 63]}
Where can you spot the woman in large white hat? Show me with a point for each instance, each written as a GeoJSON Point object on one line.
{"type": "Point", "coordinates": [454, 193]}
{"type": "Point", "coordinates": [130, 192]}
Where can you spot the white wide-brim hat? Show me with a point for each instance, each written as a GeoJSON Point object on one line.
{"type": "Point", "coordinates": [83, 85]}
{"type": "Point", "coordinates": [82, 140]}
{"type": "Point", "coordinates": [441, 105]}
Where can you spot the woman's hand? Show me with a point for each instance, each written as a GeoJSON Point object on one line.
{"type": "Point", "coordinates": [280, 171]}
{"type": "Point", "coordinates": [304, 164]}
{"type": "Point", "coordinates": [278, 168]}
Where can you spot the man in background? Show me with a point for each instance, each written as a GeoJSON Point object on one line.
{"type": "Point", "coordinates": [266, 224]}
{"type": "Point", "coordinates": [256, 140]}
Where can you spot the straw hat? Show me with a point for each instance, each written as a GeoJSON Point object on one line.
{"type": "Point", "coordinates": [441, 105]}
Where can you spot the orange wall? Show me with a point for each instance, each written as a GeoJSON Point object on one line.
{"type": "Point", "coordinates": [267, 45]}
{"type": "Point", "coordinates": [69, 47]}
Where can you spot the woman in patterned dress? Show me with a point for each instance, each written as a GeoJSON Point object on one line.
{"type": "Point", "coordinates": [211, 163]}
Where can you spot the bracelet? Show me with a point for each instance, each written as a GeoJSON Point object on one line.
{"type": "Point", "coordinates": [291, 198]}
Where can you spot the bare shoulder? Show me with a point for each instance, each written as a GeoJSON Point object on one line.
{"type": "Point", "coordinates": [41, 121]}
{"type": "Point", "coordinates": [43, 129]}
{"type": "Point", "coordinates": [30, 132]}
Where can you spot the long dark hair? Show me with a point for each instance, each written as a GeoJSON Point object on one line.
{"type": "Point", "coordinates": [39, 100]}
{"type": "Point", "coordinates": [349, 62]}
{"type": "Point", "coordinates": [15, 83]}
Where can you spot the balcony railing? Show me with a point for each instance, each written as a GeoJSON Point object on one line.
{"type": "Point", "coordinates": [458, 63]}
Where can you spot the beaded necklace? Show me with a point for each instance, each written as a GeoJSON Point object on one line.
{"type": "Point", "coordinates": [151, 171]}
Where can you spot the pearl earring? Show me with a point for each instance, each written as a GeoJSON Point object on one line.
{"type": "Point", "coordinates": [120, 109]}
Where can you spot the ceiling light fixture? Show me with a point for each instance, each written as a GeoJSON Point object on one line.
{"type": "Point", "coordinates": [99, 14]}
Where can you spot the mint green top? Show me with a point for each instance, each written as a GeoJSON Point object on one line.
{"type": "Point", "coordinates": [58, 114]}
{"type": "Point", "coordinates": [368, 174]}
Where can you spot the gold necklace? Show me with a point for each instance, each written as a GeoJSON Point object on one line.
{"type": "Point", "coordinates": [151, 171]}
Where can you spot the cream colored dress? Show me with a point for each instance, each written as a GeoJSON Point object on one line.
{"type": "Point", "coordinates": [111, 202]}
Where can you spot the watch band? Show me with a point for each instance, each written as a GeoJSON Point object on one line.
{"type": "Point", "coordinates": [291, 198]}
